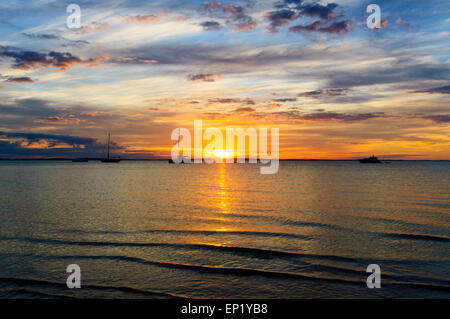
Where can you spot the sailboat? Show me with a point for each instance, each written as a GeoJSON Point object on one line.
{"type": "Point", "coordinates": [110, 159]}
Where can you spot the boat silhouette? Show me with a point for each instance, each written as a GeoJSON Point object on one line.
{"type": "Point", "coordinates": [109, 159]}
{"type": "Point", "coordinates": [370, 160]}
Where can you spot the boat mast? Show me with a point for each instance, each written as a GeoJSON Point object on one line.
{"type": "Point", "coordinates": [109, 138]}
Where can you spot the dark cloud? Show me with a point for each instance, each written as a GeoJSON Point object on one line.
{"type": "Point", "coordinates": [290, 10]}
{"type": "Point", "coordinates": [322, 115]}
{"type": "Point", "coordinates": [211, 26]}
{"type": "Point", "coordinates": [438, 118]}
{"type": "Point", "coordinates": [279, 18]}
{"type": "Point", "coordinates": [31, 59]}
{"type": "Point", "coordinates": [196, 78]}
{"type": "Point", "coordinates": [224, 58]}
{"type": "Point", "coordinates": [53, 139]}
{"type": "Point", "coordinates": [326, 116]}
{"type": "Point", "coordinates": [294, 115]}
{"type": "Point", "coordinates": [35, 112]}
{"type": "Point", "coordinates": [329, 116]}
{"type": "Point", "coordinates": [229, 100]}
{"type": "Point", "coordinates": [12, 79]}
{"type": "Point", "coordinates": [441, 90]}
{"type": "Point", "coordinates": [339, 27]}
{"type": "Point", "coordinates": [238, 20]}
{"type": "Point", "coordinates": [24, 79]}
{"type": "Point", "coordinates": [394, 74]}
{"type": "Point", "coordinates": [283, 100]}
{"type": "Point", "coordinates": [235, 16]}
{"type": "Point", "coordinates": [317, 10]}
{"type": "Point", "coordinates": [28, 107]}
{"type": "Point", "coordinates": [325, 93]}
{"type": "Point", "coordinates": [75, 43]}
{"type": "Point", "coordinates": [42, 36]}
{"type": "Point", "coordinates": [26, 59]}
{"type": "Point", "coordinates": [18, 144]}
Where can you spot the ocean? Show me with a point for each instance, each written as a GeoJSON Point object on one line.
{"type": "Point", "coordinates": [148, 229]}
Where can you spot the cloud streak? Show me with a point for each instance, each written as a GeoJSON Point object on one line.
{"type": "Point", "coordinates": [26, 60]}
{"type": "Point", "coordinates": [209, 77]}
{"type": "Point", "coordinates": [440, 90]}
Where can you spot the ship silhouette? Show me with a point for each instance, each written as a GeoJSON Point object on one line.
{"type": "Point", "coordinates": [370, 160]}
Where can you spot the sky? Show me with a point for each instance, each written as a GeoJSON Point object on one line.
{"type": "Point", "coordinates": [140, 69]}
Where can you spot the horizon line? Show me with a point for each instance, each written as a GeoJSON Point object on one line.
{"type": "Point", "coordinates": [165, 159]}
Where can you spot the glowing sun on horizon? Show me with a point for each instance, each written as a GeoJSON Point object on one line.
{"type": "Point", "coordinates": [222, 154]}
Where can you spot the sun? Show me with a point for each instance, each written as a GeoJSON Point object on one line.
{"type": "Point", "coordinates": [222, 154]}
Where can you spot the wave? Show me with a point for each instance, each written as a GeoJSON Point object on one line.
{"type": "Point", "coordinates": [384, 234]}
{"type": "Point", "coordinates": [192, 232]}
{"type": "Point", "coordinates": [357, 275]}
{"type": "Point", "coordinates": [237, 250]}
{"type": "Point", "coordinates": [319, 225]}
{"type": "Point", "coordinates": [417, 236]}
{"type": "Point", "coordinates": [203, 268]}
{"type": "Point", "coordinates": [395, 279]}
{"type": "Point", "coordinates": [231, 232]}
{"type": "Point", "coordinates": [411, 236]}
{"type": "Point", "coordinates": [444, 286]}
{"type": "Point", "coordinates": [36, 294]}
{"type": "Point", "coordinates": [257, 252]}
{"type": "Point", "coordinates": [400, 222]}
{"type": "Point", "coordinates": [45, 283]}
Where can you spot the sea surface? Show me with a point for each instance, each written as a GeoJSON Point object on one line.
{"type": "Point", "coordinates": [153, 230]}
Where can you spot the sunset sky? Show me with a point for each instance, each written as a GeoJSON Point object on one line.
{"type": "Point", "coordinates": [139, 69]}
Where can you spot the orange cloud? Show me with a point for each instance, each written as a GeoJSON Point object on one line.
{"type": "Point", "coordinates": [212, 4]}
{"type": "Point", "coordinates": [94, 27]}
{"type": "Point", "coordinates": [150, 18]}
